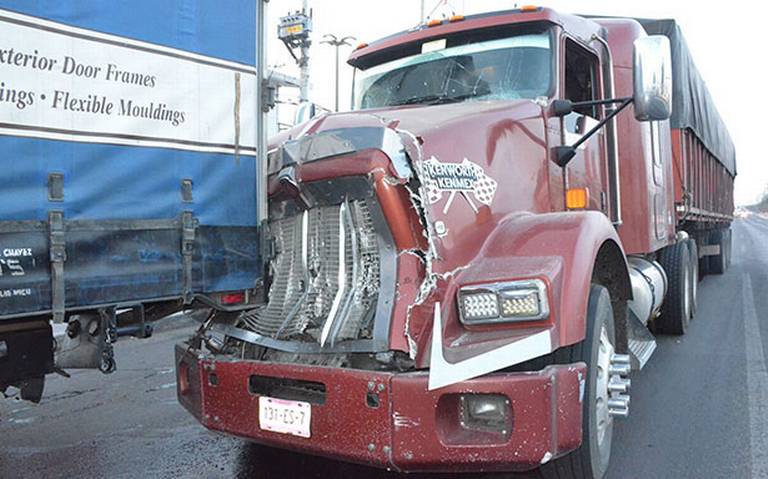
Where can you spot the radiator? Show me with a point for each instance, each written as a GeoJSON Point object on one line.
{"type": "Point", "coordinates": [325, 276]}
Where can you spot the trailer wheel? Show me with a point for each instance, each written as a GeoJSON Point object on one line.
{"type": "Point", "coordinates": [597, 351]}
{"type": "Point", "coordinates": [718, 264]}
{"type": "Point", "coordinates": [693, 250]}
{"type": "Point", "coordinates": [704, 264]}
{"type": "Point", "coordinates": [676, 309]}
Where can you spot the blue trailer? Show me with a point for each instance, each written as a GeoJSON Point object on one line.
{"type": "Point", "coordinates": [130, 133]}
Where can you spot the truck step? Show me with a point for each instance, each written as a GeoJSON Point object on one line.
{"type": "Point", "coordinates": [640, 352]}
{"type": "Point", "coordinates": [641, 343]}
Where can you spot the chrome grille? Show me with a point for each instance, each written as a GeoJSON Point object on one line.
{"type": "Point", "coordinates": [325, 276]}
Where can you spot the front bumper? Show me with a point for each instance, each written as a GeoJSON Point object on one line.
{"type": "Point", "coordinates": [406, 427]}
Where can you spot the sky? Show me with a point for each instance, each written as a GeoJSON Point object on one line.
{"type": "Point", "coordinates": [727, 42]}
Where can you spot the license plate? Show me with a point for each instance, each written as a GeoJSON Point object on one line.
{"type": "Point", "coordinates": [285, 417]}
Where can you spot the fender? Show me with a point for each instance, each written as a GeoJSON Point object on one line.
{"type": "Point", "coordinates": [559, 248]}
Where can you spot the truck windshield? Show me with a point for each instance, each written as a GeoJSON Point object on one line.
{"type": "Point", "coordinates": [505, 69]}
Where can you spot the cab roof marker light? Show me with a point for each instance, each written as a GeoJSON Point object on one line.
{"type": "Point", "coordinates": [456, 18]}
{"type": "Point", "coordinates": [434, 23]}
{"type": "Point", "coordinates": [529, 8]}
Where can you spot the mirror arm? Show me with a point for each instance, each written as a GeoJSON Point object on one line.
{"type": "Point", "coordinates": [564, 154]}
{"type": "Point", "coordinates": [566, 107]}
{"type": "Point", "coordinates": [610, 101]}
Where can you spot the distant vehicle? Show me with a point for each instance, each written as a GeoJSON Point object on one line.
{"type": "Point", "coordinates": [129, 137]}
{"type": "Point", "coordinates": [463, 271]}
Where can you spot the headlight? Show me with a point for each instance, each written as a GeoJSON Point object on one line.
{"type": "Point", "coordinates": [513, 301]}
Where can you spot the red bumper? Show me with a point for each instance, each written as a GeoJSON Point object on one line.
{"type": "Point", "coordinates": [406, 427]}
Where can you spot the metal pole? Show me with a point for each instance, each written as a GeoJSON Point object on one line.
{"type": "Point", "coordinates": [304, 63]}
{"type": "Point", "coordinates": [423, 12]}
{"type": "Point", "coordinates": [261, 113]}
{"type": "Point", "coordinates": [334, 41]}
{"type": "Point", "coordinates": [337, 76]}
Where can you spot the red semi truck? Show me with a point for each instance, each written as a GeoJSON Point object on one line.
{"type": "Point", "coordinates": [463, 271]}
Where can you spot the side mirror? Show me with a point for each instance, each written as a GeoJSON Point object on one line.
{"type": "Point", "coordinates": [652, 78]}
{"type": "Point", "coordinates": [305, 112]}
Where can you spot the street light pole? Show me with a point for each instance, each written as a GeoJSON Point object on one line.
{"type": "Point", "coordinates": [337, 78]}
{"type": "Point", "coordinates": [334, 41]}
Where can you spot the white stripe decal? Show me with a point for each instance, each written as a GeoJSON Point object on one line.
{"type": "Point", "coordinates": [442, 373]}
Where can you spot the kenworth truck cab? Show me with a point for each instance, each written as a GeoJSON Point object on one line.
{"type": "Point", "coordinates": [463, 270]}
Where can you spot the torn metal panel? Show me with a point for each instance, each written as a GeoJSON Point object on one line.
{"type": "Point", "coordinates": [428, 257]}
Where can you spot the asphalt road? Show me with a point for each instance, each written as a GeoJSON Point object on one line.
{"type": "Point", "coordinates": [699, 408]}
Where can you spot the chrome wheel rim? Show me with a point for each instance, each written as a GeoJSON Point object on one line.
{"type": "Point", "coordinates": [603, 420]}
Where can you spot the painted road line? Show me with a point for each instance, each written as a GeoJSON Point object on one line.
{"type": "Point", "coordinates": [757, 383]}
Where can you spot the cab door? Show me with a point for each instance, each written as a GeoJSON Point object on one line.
{"type": "Point", "coordinates": [581, 81]}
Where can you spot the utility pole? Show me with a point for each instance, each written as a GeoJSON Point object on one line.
{"type": "Point", "coordinates": [304, 63]}
{"type": "Point", "coordinates": [294, 31]}
{"type": "Point", "coordinates": [423, 12]}
{"type": "Point", "coordinates": [334, 41]}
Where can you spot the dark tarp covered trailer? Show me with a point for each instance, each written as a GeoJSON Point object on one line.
{"type": "Point", "coordinates": [692, 104]}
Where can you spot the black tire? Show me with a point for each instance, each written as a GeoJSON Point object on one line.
{"type": "Point", "coordinates": [728, 247]}
{"type": "Point", "coordinates": [675, 311]}
{"type": "Point", "coordinates": [591, 459]}
{"type": "Point", "coordinates": [718, 264]}
{"type": "Point", "coordinates": [693, 251]}
{"type": "Point", "coordinates": [704, 267]}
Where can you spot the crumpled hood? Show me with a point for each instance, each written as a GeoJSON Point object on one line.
{"type": "Point", "coordinates": [417, 131]}
{"type": "Point", "coordinates": [418, 121]}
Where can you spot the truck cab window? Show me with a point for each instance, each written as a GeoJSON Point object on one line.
{"type": "Point", "coordinates": [511, 68]}
{"type": "Point", "coordinates": [581, 77]}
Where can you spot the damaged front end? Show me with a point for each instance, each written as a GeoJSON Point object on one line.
{"type": "Point", "coordinates": [331, 251]}
{"type": "Point", "coordinates": [356, 285]}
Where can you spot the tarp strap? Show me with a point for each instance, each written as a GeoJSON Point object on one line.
{"type": "Point", "coordinates": [58, 255]}
{"type": "Point", "coordinates": [188, 233]}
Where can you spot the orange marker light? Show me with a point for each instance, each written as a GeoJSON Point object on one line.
{"type": "Point", "coordinates": [456, 18]}
{"type": "Point", "coordinates": [361, 46]}
{"type": "Point", "coordinates": [434, 23]}
{"type": "Point", "coordinates": [529, 8]}
{"type": "Point", "coordinates": [576, 198]}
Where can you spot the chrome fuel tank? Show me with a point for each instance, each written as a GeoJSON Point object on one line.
{"type": "Point", "coordinates": [649, 286]}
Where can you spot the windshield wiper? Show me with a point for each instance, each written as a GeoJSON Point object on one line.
{"type": "Point", "coordinates": [432, 100]}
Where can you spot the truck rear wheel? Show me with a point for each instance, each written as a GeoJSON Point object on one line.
{"type": "Point", "coordinates": [597, 351]}
{"type": "Point", "coordinates": [718, 264]}
{"type": "Point", "coordinates": [676, 309]}
{"type": "Point", "coordinates": [704, 268]}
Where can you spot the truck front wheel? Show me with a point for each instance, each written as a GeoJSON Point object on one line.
{"type": "Point", "coordinates": [600, 405]}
